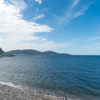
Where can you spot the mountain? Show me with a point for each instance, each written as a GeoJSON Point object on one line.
{"type": "Point", "coordinates": [50, 52]}
{"type": "Point", "coordinates": [29, 51]}
{"type": "Point", "coordinates": [4, 54]}
{"type": "Point", "coordinates": [32, 52]}
{"type": "Point", "coordinates": [1, 51]}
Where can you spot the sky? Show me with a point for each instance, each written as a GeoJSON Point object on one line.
{"type": "Point", "coordinates": [68, 26]}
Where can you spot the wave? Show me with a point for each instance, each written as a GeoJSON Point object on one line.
{"type": "Point", "coordinates": [11, 85]}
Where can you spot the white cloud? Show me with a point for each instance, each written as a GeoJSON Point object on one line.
{"type": "Point", "coordinates": [44, 39]}
{"type": "Point", "coordinates": [38, 17]}
{"type": "Point", "coordinates": [39, 1]}
{"type": "Point", "coordinates": [19, 4]}
{"type": "Point", "coordinates": [16, 33]}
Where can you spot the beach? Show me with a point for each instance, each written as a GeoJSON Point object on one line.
{"type": "Point", "coordinates": [11, 93]}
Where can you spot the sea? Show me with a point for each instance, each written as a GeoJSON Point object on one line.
{"type": "Point", "coordinates": [57, 75]}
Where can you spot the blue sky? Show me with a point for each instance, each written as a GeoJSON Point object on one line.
{"type": "Point", "coordinates": [70, 26]}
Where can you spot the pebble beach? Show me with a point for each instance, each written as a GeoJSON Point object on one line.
{"type": "Point", "coordinates": [11, 93]}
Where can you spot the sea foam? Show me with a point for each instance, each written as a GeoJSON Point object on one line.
{"type": "Point", "coordinates": [11, 84]}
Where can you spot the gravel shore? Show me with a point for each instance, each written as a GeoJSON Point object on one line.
{"type": "Point", "coordinates": [11, 93]}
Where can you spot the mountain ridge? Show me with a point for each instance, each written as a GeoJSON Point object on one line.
{"type": "Point", "coordinates": [33, 52]}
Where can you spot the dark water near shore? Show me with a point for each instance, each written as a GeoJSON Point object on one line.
{"type": "Point", "coordinates": [77, 76]}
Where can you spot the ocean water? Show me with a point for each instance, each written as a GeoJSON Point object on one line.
{"type": "Point", "coordinates": [74, 76]}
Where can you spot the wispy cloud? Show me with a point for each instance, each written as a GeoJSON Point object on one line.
{"type": "Point", "coordinates": [97, 45]}
{"type": "Point", "coordinates": [74, 11]}
{"type": "Point", "coordinates": [74, 4]}
{"type": "Point", "coordinates": [82, 10]}
{"type": "Point", "coordinates": [39, 1]}
{"type": "Point", "coordinates": [93, 46]}
{"type": "Point", "coordinates": [38, 17]}
{"type": "Point", "coordinates": [95, 38]}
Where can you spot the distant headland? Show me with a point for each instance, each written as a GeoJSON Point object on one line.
{"type": "Point", "coordinates": [1, 51]}
{"type": "Point", "coordinates": [29, 52]}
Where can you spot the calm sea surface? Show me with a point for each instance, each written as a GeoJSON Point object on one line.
{"type": "Point", "coordinates": [76, 76]}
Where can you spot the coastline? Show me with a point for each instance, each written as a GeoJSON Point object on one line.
{"type": "Point", "coordinates": [14, 93]}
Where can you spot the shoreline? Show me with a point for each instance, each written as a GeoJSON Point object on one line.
{"type": "Point", "coordinates": [14, 93]}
